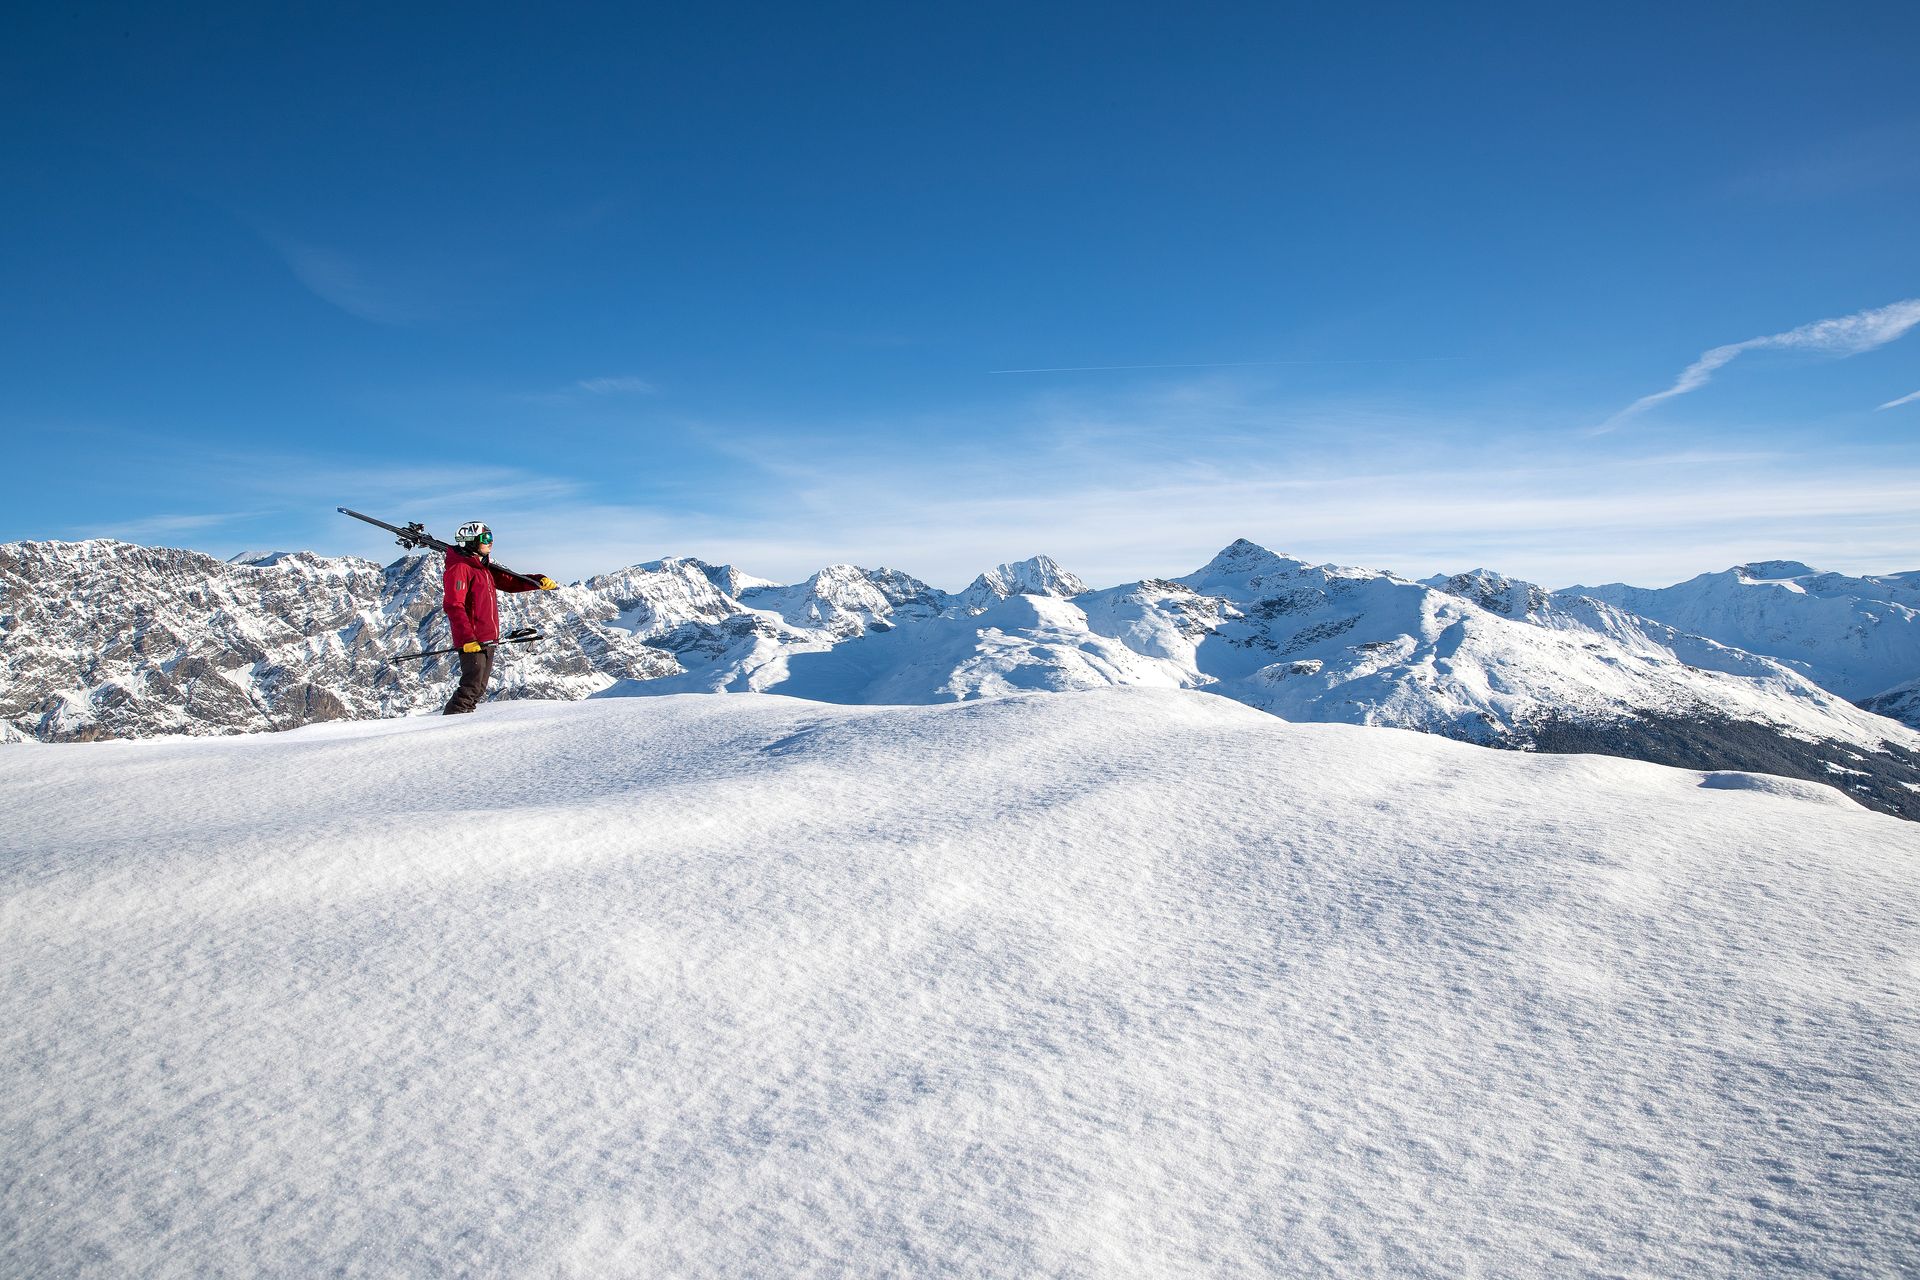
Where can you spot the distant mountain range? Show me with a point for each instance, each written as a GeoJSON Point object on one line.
{"type": "Point", "coordinates": [1769, 667]}
{"type": "Point", "coordinates": [1859, 637]}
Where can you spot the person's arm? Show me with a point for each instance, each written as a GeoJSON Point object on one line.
{"type": "Point", "coordinates": [457, 583]}
{"type": "Point", "coordinates": [507, 582]}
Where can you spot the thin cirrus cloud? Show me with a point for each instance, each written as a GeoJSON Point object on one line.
{"type": "Point", "coordinates": [614, 386]}
{"type": "Point", "coordinates": [1909, 398]}
{"type": "Point", "coordinates": [1838, 337]}
{"type": "Point", "coordinates": [339, 280]}
{"type": "Point", "coordinates": [591, 389]}
{"type": "Point", "coordinates": [163, 525]}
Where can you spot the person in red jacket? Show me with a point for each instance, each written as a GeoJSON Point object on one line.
{"type": "Point", "coordinates": [473, 611]}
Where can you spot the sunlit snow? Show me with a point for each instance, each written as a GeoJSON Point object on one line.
{"type": "Point", "coordinates": [1122, 983]}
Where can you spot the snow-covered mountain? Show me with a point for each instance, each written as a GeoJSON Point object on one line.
{"type": "Point", "coordinates": [1126, 983]}
{"type": "Point", "coordinates": [1859, 637]}
{"type": "Point", "coordinates": [843, 601]}
{"type": "Point", "coordinates": [107, 639]}
{"type": "Point", "coordinates": [1902, 702]}
{"type": "Point", "coordinates": [1478, 658]}
{"type": "Point", "coordinates": [1040, 576]}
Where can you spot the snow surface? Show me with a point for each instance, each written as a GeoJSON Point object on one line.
{"type": "Point", "coordinates": [1121, 983]}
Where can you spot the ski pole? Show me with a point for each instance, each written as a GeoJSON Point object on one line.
{"type": "Point", "coordinates": [525, 635]}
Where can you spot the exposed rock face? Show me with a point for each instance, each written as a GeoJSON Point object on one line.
{"type": "Point", "coordinates": [1494, 592]}
{"type": "Point", "coordinates": [107, 640]}
{"type": "Point", "coordinates": [1039, 576]}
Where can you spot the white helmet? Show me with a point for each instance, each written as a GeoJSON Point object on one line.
{"type": "Point", "coordinates": [474, 534]}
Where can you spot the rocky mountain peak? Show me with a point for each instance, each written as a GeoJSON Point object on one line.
{"type": "Point", "coordinates": [1772, 570]}
{"type": "Point", "coordinates": [1495, 592]}
{"type": "Point", "coordinates": [846, 600]}
{"type": "Point", "coordinates": [1245, 563]}
{"type": "Point", "coordinates": [1036, 576]}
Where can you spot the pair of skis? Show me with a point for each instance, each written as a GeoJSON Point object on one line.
{"type": "Point", "coordinates": [415, 535]}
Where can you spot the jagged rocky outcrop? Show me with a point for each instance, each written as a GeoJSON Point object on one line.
{"type": "Point", "coordinates": [1038, 576]}
{"type": "Point", "coordinates": [105, 639]}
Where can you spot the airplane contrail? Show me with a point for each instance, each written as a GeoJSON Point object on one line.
{"type": "Point", "coordinates": [1221, 364]}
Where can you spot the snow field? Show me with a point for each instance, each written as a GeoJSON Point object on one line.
{"type": "Point", "coordinates": [1116, 983]}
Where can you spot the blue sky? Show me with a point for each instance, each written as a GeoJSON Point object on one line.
{"type": "Point", "coordinates": [744, 282]}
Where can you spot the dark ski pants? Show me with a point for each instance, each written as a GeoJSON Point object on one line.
{"type": "Point", "coordinates": [474, 670]}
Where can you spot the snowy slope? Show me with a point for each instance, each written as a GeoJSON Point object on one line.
{"type": "Point", "coordinates": [1124, 983]}
{"type": "Point", "coordinates": [1902, 702]}
{"type": "Point", "coordinates": [1859, 637]}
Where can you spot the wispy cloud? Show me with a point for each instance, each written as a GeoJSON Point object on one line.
{"type": "Point", "coordinates": [621, 386]}
{"type": "Point", "coordinates": [1906, 399]}
{"type": "Point", "coordinates": [1224, 364]}
{"type": "Point", "coordinates": [410, 491]}
{"type": "Point", "coordinates": [338, 279]}
{"type": "Point", "coordinates": [1845, 164]}
{"type": "Point", "coordinates": [592, 389]}
{"type": "Point", "coordinates": [164, 525]}
{"type": "Point", "coordinates": [1843, 336]}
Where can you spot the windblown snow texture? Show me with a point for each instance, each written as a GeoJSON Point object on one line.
{"type": "Point", "coordinates": [1123, 983]}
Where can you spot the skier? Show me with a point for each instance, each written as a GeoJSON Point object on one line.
{"type": "Point", "coordinates": [473, 611]}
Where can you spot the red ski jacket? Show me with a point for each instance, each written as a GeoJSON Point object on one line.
{"type": "Point", "coordinates": [472, 610]}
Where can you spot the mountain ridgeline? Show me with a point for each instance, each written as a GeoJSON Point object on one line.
{"type": "Point", "coordinates": [104, 639]}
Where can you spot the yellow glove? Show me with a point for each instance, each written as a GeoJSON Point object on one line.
{"type": "Point", "coordinates": [471, 646]}
{"type": "Point", "coordinates": [546, 583]}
